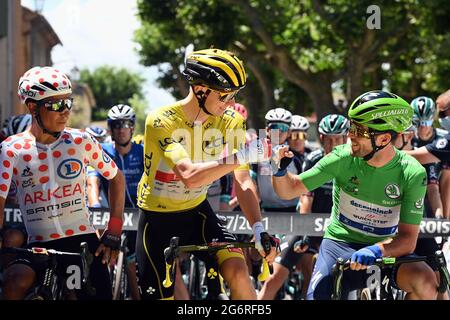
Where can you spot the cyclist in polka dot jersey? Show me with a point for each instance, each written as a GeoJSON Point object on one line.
{"type": "Point", "coordinates": [46, 164]}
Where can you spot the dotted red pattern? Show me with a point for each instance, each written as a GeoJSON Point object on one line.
{"type": "Point", "coordinates": [22, 161]}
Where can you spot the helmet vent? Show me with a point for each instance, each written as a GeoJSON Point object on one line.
{"type": "Point", "coordinates": [365, 111]}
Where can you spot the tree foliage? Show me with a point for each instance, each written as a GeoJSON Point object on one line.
{"type": "Point", "coordinates": [111, 86]}
{"type": "Point", "coordinates": [295, 51]}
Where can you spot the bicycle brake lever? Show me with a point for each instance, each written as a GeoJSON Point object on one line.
{"type": "Point", "coordinates": [86, 260]}
{"type": "Point", "coordinates": [170, 254]}
{"type": "Point", "coordinates": [267, 245]}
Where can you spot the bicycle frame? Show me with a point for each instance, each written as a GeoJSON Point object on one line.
{"type": "Point", "coordinates": [438, 257]}
{"type": "Point", "coordinates": [172, 252]}
{"type": "Point", "coordinates": [52, 287]}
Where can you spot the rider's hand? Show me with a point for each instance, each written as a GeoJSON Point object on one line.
{"type": "Point", "coordinates": [110, 241]}
{"type": "Point", "coordinates": [259, 150]}
{"type": "Point", "coordinates": [281, 158]}
{"type": "Point", "coordinates": [365, 257]}
{"type": "Point", "coordinates": [301, 245]}
{"type": "Point", "coordinates": [258, 230]}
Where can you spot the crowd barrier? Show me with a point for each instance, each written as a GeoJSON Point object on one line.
{"type": "Point", "coordinates": [289, 223]}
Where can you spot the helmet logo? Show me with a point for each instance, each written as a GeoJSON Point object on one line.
{"type": "Point", "coordinates": [388, 113]}
{"type": "Point", "coordinates": [392, 191]}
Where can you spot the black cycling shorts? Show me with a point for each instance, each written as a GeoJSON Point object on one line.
{"type": "Point", "coordinates": [196, 226]}
{"type": "Point", "coordinates": [99, 274]}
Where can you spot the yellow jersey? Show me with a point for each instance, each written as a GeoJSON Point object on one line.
{"type": "Point", "coordinates": [170, 137]}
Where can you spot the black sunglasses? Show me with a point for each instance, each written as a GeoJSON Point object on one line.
{"type": "Point", "coordinates": [119, 124]}
{"type": "Point", "coordinates": [58, 106]}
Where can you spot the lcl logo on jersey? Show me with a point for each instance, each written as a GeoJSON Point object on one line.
{"type": "Point", "coordinates": [70, 168]}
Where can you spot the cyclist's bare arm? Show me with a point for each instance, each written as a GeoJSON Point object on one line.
{"type": "Point", "coordinates": [422, 155]}
{"type": "Point", "coordinates": [195, 175]}
{"type": "Point", "coordinates": [116, 195]}
{"type": "Point", "coordinates": [246, 193]}
{"type": "Point", "coordinates": [444, 185]}
{"type": "Point", "coordinates": [306, 202]}
{"type": "Point", "coordinates": [289, 186]}
{"type": "Point", "coordinates": [404, 242]}
{"type": "Point", "coordinates": [2, 207]}
{"type": "Point", "coordinates": [93, 190]}
{"type": "Point", "coordinates": [434, 197]}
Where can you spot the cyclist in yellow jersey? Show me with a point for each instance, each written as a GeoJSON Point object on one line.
{"type": "Point", "coordinates": [187, 146]}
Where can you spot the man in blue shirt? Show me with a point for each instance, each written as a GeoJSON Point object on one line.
{"type": "Point", "coordinates": [129, 157]}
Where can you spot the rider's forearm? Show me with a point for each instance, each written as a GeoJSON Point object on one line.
{"type": "Point", "coordinates": [93, 190]}
{"type": "Point", "coordinates": [195, 175]}
{"type": "Point", "coordinates": [289, 186]}
{"type": "Point", "coordinates": [116, 195]}
{"type": "Point", "coordinates": [399, 246]}
{"type": "Point", "coordinates": [247, 197]}
{"type": "Point", "coordinates": [306, 204]}
{"type": "Point", "coordinates": [434, 198]}
{"type": "Point", "coordinates": [422, 155]}
{"type": "Point", "coordinates": [2, 208]}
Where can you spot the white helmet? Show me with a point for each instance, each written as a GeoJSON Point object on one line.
{"type": "Point", "coordinates": [17, 124]}
{"type": "Point", "coordinates": [121, 112]}
{"type": "Point", "coordinates": [40, 83]}
{"type": "Point", "coordinates": [299, 123]}
{"type": "Point", "coordinates": [279, 115]}
{"type": "Point", "coordinates": [97, 132]}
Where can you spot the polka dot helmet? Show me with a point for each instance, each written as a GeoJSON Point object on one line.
{"type": "Point", "coordinates": [40, 83]}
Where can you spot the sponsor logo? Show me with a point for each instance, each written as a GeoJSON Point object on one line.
{"type": "Point", "coordinates": [171, 115]}
{"type": "Point", "coordinates": [27, 93]}
{"type": "Point", "coordinates": [47, 195]}
{"type": "Point", "coordinates": [419, 203]}
{"type": "Point", "coordinates": [392, 191]}
{"type": "Point", "coordinates": [27, 172]}
{"type": "Point", "coordinates": [106, 158]}
{"type": "Point", "coordinates": [441, 143]}
{"type": "Point", "coordinates": [370, 209]}
{"type": "Point", "coordinates": [388, 113]}
{"type": "Point", "coordinates": [70, 168]}
{"type": "Point", "coordinates": [157, 123]}
{"type": "Point", "coordinates": [230, 113]}
{"type": "Point", "coordinates": [28, 183]}
{"type": "Point", "coordinates": [53, 207]}
{"type": "Point", "coordinates": [163, 144]}
{"type": "Point", "coordinates": [214, 146]}
{"type": "Point", "coordinates": [354, 180]}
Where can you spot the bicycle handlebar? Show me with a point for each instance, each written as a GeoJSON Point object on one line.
{"type": "Point", "coordinates": [438, 257]}
{"type": "Point", "coordinates": [172, 252]}
{"type": "Point", "coordinates": [85, 255]}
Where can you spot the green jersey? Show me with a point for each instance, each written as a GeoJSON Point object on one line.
{"type": "Point", "coordinates": [369, 202]}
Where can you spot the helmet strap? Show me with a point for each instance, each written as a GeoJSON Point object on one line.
{"type": "Point", "coordinates": [201, 99]}
{"type": "Point", "coordinates": [404, 142]}
{"type": "Point", "coordinates": [375, 148]}
{"type": "Point", "coordinates": [37, 115]}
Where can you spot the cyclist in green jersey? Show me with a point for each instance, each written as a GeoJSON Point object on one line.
{"type": "Point", "coordinates": [378, 197]}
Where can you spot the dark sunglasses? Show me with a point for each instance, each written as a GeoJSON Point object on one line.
{"type": "Point", "coordinates": [225, 97]}
{"type": "Point", "coordinates": [358, 131]}
{"type": "Point", "coordinates": [119, 124]}
{"type": "Point", "coordinates": [279, 126]}
{"type": "Point", "coordinates": [58, 106]}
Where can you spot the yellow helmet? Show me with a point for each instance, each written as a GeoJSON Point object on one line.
{"type": "Point", "coordinates": [216, 69]}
